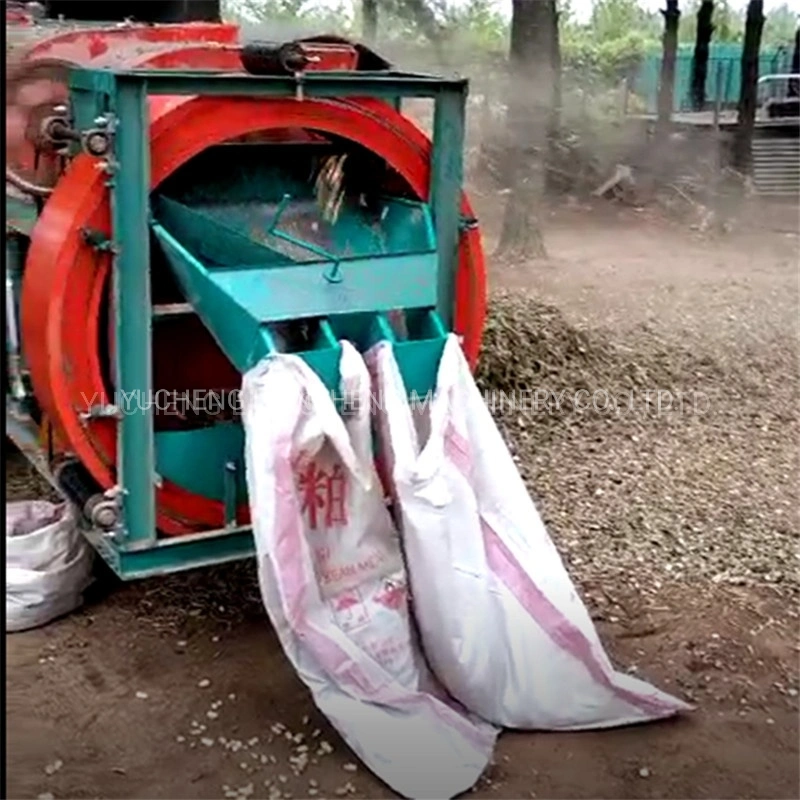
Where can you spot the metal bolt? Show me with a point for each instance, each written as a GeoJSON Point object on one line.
{"type": "Point", "coordinates": [105, 514]}
{"type": "Point", "coordinates": [96, 143]}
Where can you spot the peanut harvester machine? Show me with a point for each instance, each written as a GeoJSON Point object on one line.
{"type": "Point", "coordinates": [181, 207]}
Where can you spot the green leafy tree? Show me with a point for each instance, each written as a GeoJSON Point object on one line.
{"type": "Point", "coordinates": [614, 18]}
{"type": "Point", "coordinates": [612, 44]}
{"type": "Point", "coordinates": [728, 22]}
{"type": "Point", "coordinates": [288, 18]}
{"type": "Point", "coordinates": [477, 22]}
{"type": "Point", "coordinates": [779, 27]}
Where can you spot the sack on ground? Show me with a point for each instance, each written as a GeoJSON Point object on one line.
{"type": "Point", "coordinates": [501, 623]}
{"type": "Point", "coordinates": [48, 563]}
{"type": "Point", "coordinates": [334, 584]}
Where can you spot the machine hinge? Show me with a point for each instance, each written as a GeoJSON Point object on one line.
{"type": "Point", "coordinates": [99, 241]}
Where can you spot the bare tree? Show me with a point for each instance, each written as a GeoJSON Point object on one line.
{"type": "Point", "coordinates": [666, 88]}
{"type": "Point", "coordinates": [705, 30]}
{"type": "Point", "coordinates": [369, 19]}
{"type": "Point", "coordinates": [748, 99]}
{"type": "Point", "coordinates": [554, 131]}
{"type": "Point", "coordinates": [528, 117]}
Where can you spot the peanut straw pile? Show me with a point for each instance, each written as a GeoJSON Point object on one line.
{"type": "Point", "coordinates": [669, 465]}
{"type": "Point", "coordinates": [631, 492]}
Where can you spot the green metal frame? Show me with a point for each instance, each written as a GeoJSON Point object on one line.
{"type": "Point", "coordinates": [21, 216]}
{"type": "Point", "coordinates": [134, 550]}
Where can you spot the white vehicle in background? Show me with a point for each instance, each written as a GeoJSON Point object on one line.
{"type": "Point", "coordinates": [776, 143]}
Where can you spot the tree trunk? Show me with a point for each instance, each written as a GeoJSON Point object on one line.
{"type": "Point", "coordinates": [420, 13]}
{"type": "Point", "coordinates": [554, 131]}
{"type": "Point", "coordinates": [528, 118]}
{"type": "Point", "coordinates": [794, 83]}
{"type": "Point", "coordinates": [666, 88]}
{"type": "Point", "coordinates": [705, 30]}
{"type": "Point", "coordinates": [369, 19]}
{"type": "Point", "coordinates": [748, 99]}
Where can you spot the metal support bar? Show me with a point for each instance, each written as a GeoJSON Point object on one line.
{"type": "Point", "coordinates": [165, 310]}
{"type": "Point", "coordinates": [176, 553]}
{"type": "Point", "coordinates": [386, 85]}
{"type": "Point", "coordinates": [122, 96]}
{"type": "Point", "coordinates": [164, 555]}
{"type": "Point", "coordinates": [230, 491]}
{"type": "Point", "coordinates": [21, 214]}
{"type": "Point", "coordinates": [14, 361]}
{"type": "Point", "coordinates": [132, 308]}
{"type": "Point", "coordinates": [446, 180]}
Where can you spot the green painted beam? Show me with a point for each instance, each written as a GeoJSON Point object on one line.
{"type": "Point", "coordinates": [447, 175]}
{"type": "Point", "coordinates": [385, 85]}
{"type": "Point", "coordinates": [235, 303]}
{"type": "Point", "coordinates": [177, 454]}
{"type": "Point", "coordinates": [371, 283]}
{"type": "Point", "coordinates": [238, 305]}
{"type": "Point", "coordinates": [133, 311]}
{"type": "Point", "coordinates": [176, 554]}
{"type": "Point", "coordinates": [21, 216]}
{"type": "Point", "coordinates": [235, 331]}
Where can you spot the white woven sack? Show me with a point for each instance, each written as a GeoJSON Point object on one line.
{"type": "Point", "coordinates": [334, 585]}
{"type": "Point", "coordinates": [48, 563]}
{"type": "Point", "coordinates": [501, 623]}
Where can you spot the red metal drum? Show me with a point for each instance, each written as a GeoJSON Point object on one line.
{"type": "Point", "coordinates": [39, 67]}
{"type": "Point", "coordinates": [65, 282]}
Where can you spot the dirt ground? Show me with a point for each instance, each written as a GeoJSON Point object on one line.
{"type": "Point", "coordinates": [112, 701]}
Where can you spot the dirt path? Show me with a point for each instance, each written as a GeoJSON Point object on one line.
{"type": "Point", "coordinates": [619, 268]}
{"type": "Point", "coordinates": [114, 698]}
{"type": "Point", "coordinates": [108, 702]}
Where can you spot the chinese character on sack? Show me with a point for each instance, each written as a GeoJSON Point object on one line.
{"type": "Point", "coordinates": [324, 494]}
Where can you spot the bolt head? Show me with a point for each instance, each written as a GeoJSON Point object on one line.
{"type": "Point", "coordinates": [105, 515]}
{"type": "Point", "coordinates": [97, 144]}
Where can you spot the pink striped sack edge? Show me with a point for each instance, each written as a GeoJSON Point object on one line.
{"type": "Point", "coordinates": [501, 623]}
{"type": "Point", "coordinates": [334, 585]}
